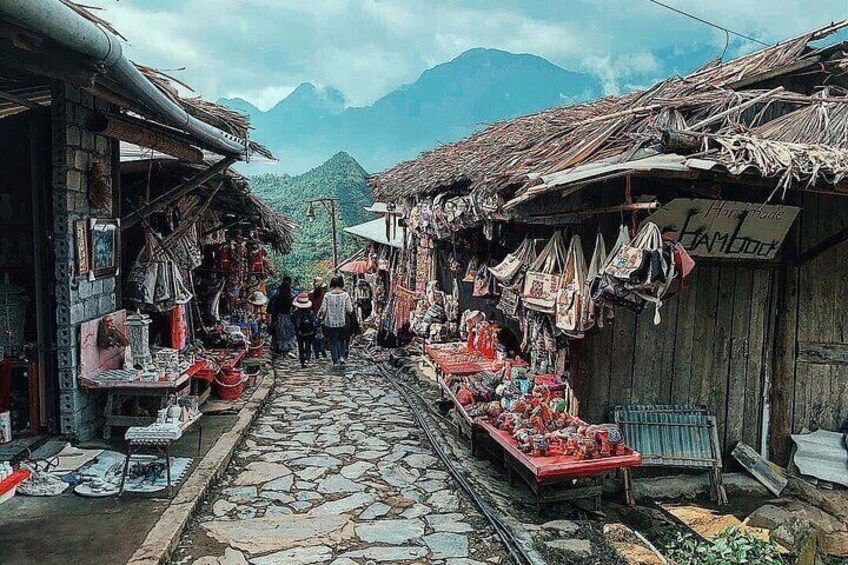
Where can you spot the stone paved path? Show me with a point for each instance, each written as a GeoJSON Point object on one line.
{"type": "Point", "coordinates": [336, 471]}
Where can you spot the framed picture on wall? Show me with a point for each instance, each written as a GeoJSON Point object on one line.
{"type": "Point", "coordinates": [82, 254]}
{"type": "Point", "coordinates": [104, 246]}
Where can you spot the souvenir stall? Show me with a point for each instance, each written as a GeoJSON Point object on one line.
{"type": "Point", "coordinates": [193, 286]}
{"type": "Point", "coordinates": [372, 267]}
{"type": "Point", "coordinates": [510, 376]}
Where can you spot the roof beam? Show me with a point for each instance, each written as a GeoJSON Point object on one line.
{"type": "Point", "coordinates": [183, 189]}
{"type": "Point", "coordinates": [19, 100]}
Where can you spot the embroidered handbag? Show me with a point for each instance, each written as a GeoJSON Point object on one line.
{"type": "Point", "coordinates": [570, 305]}
{"type": "Point", "coordinates": [510, 300]}
{"type": "Point", "coordinates": [506, 270]}
{"type": "Point", "coordinates": [597, 312]}
{"type": "Point", "coordinates": [632, 262]}
{"type": "Point", "coordinates": [542, 282]}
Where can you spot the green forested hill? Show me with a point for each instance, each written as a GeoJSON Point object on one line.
{"type": "Point", "coordinates": [340, 177]}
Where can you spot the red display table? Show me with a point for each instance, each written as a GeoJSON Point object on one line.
{"type": "Point", "coordinates": [543, 473]}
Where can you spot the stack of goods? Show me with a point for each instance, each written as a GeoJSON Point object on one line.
{"type": "Point", "coordinates": [541, 426]}
{"type": "Point", "coordinates": [477, 394]}
{"type": "Point", "coordinates": [487, 394]}
{"type": "Point", "coordinates": [534, 410]}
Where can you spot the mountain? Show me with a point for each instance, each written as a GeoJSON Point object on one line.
{"type": "Point", "coordinates": [446, 103]}
{"type": "Point", "coordinates": [339, 177]}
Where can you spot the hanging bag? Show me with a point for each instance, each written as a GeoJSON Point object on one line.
{"type": "Point", "coordinates": [511, 300]}
{"type": "Point", "coordinates": [609, 291]}
{"type": "Point", "coordinates": [543, 279]}
{"type": "Point", "coordinates": [506, 270]}
{"type": "Point", "coordinates": [596, 312]}
{"type": "Point", "coordinates": [635, 261]}
{"type": "Point", "coordinates": [570, 306]}
{"type": "Point", "coordinates": [471, 270]}
{"type": "Point", "coordinates": [482, 283]}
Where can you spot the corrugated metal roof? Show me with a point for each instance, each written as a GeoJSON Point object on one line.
{"type": "Point", "coordinates": [375, 230]}
{"type": "Point", "coordinates": [823, 455]}
{"type": "Point", "coordinates": [671, 436]}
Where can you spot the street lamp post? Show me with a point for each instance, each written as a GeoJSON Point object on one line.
{"type": "Point", "coordinates": [329, 204]}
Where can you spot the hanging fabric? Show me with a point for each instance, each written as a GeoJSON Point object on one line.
{"type": "Point", "coordinates": [542, 282]}
{"type": "Point", "coordinates": [154, 280]}
{"type": "Point", "coordinates": [179, 326]}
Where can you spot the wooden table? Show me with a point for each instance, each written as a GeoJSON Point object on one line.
{"type": "Point", "coordinates": [543, 474]}
{"type": "Point", "coordinates": [119, 392]}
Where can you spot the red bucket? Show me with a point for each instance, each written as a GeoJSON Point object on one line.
{"type": "Point", "coordinates": [256, 349]}
{"type": "Point", "coordinates": [229, 384]}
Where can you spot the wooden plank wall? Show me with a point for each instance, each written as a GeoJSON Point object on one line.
{"type": "Point", "coordinates": [813, 390]}
{"type": "Point", "coordinates": [737, 329]}
{"type": "Point", "coordinates": [709, 349]}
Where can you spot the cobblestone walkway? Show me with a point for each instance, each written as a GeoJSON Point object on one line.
{"type": "Point", "coordinates": [336, 471]}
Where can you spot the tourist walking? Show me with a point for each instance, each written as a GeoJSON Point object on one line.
{"type": "Point", "coordinates": [283, 341]}
{"type": "Point", "coordinates": [317, 299]}
{"type": "Point", "coordinates": [305, 327]}
{"type": "Point", "coordinates": [334, 313]}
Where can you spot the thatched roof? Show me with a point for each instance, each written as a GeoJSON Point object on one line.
{"type": "Point", "coordinates": [230, 193]}
{"type": "Point", "coordinates": [511, 158]}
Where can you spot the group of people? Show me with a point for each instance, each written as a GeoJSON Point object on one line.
{"type": "Point", "coordinates": [313, 322]}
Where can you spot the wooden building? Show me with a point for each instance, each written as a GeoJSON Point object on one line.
{"type": "Point", "coordinates": [758, 335]}
{"type": "Point", "coordinates": [69, 99]}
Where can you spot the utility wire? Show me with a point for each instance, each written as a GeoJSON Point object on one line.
{"type": "Point", "coordinates": [711, 24]}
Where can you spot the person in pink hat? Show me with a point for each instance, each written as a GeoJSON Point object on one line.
{"type": "Point", "coordinates": [305, 326]}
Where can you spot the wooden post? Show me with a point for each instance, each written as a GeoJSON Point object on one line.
{"type": "Point", "coordinates": [335, 236]}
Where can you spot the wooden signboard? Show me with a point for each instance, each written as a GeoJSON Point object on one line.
{"type": "Point", "coordinates": [725, 229]}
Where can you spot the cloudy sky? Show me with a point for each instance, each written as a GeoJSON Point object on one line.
{"type": "Point", "coordinates": [260, 50]}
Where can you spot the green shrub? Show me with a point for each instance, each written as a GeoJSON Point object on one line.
{"type": "Point", "coordinates": [730, 547]}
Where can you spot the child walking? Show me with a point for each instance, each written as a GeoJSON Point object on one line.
{"type": "Point", "coordinates": [305, 326]}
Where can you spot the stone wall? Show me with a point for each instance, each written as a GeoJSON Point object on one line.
{"type": "Point", "coordinates": [78, 299]}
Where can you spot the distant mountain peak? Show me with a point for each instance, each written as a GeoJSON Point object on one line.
{"type": "Point", "coordinates": [308, 96]}
{"type": "Point", "coordinates": [239, 105]}
{"type": "Point", "coordinates": [446, 102]}
{"type": "Point", "coordinates": [344, 159]}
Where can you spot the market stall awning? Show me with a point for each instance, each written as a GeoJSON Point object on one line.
{"type": "Point", "coordinates": [358, 267]}
{"type": "Point", "coordinates": [375, 230]}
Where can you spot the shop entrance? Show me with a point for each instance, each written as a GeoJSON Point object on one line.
{"type": "Point", "coordinates": [26, 394]}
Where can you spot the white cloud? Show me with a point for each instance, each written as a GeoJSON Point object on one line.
{"type": "Point", "coordinates": [260, 48]}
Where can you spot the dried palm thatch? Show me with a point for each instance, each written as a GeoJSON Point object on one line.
{"type": "Point", "coordinates": [791, 163]}
{"type": "Point", "coordinates": [511, 157]}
